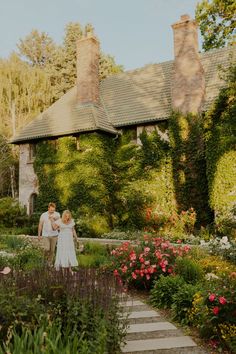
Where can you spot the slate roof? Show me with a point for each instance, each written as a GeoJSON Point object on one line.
{"type": "Point", "coordinates": [129, 98]}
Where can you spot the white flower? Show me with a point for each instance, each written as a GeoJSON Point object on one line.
{"type": "Point", "coordinates": [224, 240]}
{"type": "Point", "coordinates": [210, 276]}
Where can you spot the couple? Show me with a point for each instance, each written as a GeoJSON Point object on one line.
{"type": "Point", "coordinates": [60, 231]}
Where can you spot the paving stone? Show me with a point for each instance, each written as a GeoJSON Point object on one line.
{"type": "Point", "coordinates": [143, 314]}
{"type": "Point", "coordinates": [150, 327]}
{"type": "Point", "coordinates": [131, 303]}
{"type": "Point", "coordinates": [154, 334]}
{"type": "Point", "coordinates": [140, 346]}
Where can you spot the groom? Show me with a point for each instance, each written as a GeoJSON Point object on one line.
{"type": "Point", "coordinates": [45, 230]}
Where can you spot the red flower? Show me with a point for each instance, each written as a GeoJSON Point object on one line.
{"type": "Point", "coordinates": [116, 272]}
{"type": "Point", "coordinates": [222, 300]}
{"type": "Point", "coordinates": [212, 297]}
{"type": "Point", "coordinates": [141, 259]}
{"type": "Point", "coordinates": [215, 310]}
{"type": "Point", "coordinates": [134, 276]}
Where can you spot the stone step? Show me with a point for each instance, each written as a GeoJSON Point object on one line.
{"type": "Point", "coordinates": [150, 327]}
{"type": "Point", "coordinates": [131, 303]}
{"type": "Point", "coordinates": [143, 314]}
{"type": "Point", "coordinates": [154, 334]}
{"type": "Point", "coordinates": [152, 345]}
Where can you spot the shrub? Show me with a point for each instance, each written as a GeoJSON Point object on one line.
{"type": "Point", "coordinates": [216, 265]}
{"type": "Point", "coordinates": [182, 302]}
{"type": "Point", "coordinates": [161, 295]}
{"type": "Point", "coordinates": [29, 258]}
{"type": "Point", "coordinates": [11, 213]}
{"type": "Point", "coordinates": [14, 243]}
{"type": "Point", "coordinates": [140, 263]}
{"type": "Point", "coordinates": [189, 270]}
{"type": "Point", "coordinates": [214, 311]}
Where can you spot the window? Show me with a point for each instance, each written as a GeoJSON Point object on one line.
{"type": "Point", "coordinates": [32, 152]}
{"type": "Point", "coordinates": [32, 203]}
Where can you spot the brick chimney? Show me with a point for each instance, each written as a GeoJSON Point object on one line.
{"type": "Point", "coordinates": [188, 85]}
{"type": "Point", "coordinates": [88, 51]}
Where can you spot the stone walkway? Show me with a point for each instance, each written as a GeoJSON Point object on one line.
{"type": "Point", "coordinates": [149, 333]}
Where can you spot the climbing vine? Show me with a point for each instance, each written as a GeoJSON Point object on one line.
{"type": "Point", "coordinates": [220, 138]}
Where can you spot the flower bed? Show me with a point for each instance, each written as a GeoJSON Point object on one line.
{"type": "Point", "coordinates": [141, 263]}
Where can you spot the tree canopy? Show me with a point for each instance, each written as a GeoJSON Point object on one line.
{"type": "Point", "coordinates": [217, 21]}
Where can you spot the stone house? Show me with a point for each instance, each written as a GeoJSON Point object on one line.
{"type": "Point", "coordinates": [138, 98]}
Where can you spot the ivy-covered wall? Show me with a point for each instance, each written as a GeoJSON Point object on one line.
{"type": "Point", "coordinates": [108, 183]}
{"type": "Point", "coordinates": [189, 165]}
{"type": "Point", "coordinates": [220, 138]}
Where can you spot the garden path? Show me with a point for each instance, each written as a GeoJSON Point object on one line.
{"type": "Point", "coordinates": [150, 333]}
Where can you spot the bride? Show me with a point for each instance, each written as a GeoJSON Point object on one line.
{"type": "Point", "coordinates": [65, 255]}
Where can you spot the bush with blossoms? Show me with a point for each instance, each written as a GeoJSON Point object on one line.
{"type": "Point", "coordinates": [139, 264]}
{"type": "Point", "coordinates": [214, 312]}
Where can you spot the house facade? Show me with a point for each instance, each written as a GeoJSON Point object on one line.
{"type": "Point", "coordinates": [140, 98]}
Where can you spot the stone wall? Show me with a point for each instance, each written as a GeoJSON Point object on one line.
{"type": "Point", "coordinates": [28, 182]}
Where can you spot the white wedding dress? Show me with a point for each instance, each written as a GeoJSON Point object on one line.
{"type": "Point", "coordinates": [65, 256]}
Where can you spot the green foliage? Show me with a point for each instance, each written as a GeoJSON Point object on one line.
{"type": "Point", "coordinates": [81, 181]}
{"type": "Point", "coordinates": [182, 302]}
{"type": "Point", "coordinates": [11, 213]}
{"type": "Point", "coordinates": [216, 19]}
{"type": "Point", "coordinates": [94, 255]}
{"type": "Point", "coordinates": [24, 92]}
{"type": "Point", "coordinates": [14, 243]}
{"type": "Point", "coordinates": [37, 48]}
{"type": "Point", "coordinates": [8, 167]}
{"type": "Point", "coordinates": [161, 295]}
{"type": "Point", "coordinates": [220, 138]}
{"type": "Point", "coordinates": [51, 312]}
{"type": "Point", "coordinates": [189, 165]}
{"type": "Point", "coordinates": [189, 270]}
{"type": "Point", "coordinates": [213, 311]}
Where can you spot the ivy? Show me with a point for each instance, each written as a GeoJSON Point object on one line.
{"type": "Point", "coordinates": [189, 165]}
{"type": "Point", "coordinates": [220, 140]}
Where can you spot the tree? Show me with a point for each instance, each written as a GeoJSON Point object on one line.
{"type": "Point", "coordinates": [62, 65]}
{"type": "Point", "coordinates": [8, 168]}
{"type": "Point", "coordinates": [217, 21]}
{"type": "Point", "coordinates": [24, 92]}
{"type": "Point", "coordinates": [37, 48]}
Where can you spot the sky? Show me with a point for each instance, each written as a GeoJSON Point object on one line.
{"type": "Point", "coordinates": [135, 32]}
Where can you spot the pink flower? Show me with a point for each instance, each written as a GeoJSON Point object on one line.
{"type": "Point", "coordinates": [146, 249]}
{"type": "Point", "coordinates": [222, 300]}
{"type": "Point", "coordinates": [215, 310]}
{"type": "Point", "coordinates": [212, 297]}
{"type": "Point", "coordinates": [134, 276]}
{"type": "Point", "coordinates": [116, 272]}
{"type": "Point", "coordinates": [179, 241]}
{"type": "Point", "coordinates": [147, 262]}
{"type": "Point", "coordinates": [124, 269]}
{"type": "Point", "coordinates": [132, 256]}
{"type": "Point", "coordinates": [6, 270]}
{"type": "Point", "coordinates": [147, 276]}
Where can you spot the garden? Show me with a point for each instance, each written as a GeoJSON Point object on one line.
{"type": "Point", "coordinates": [192, 279]}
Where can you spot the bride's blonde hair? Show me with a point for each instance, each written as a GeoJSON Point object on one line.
{"type": "Point", "coordinates": [64, 214]}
